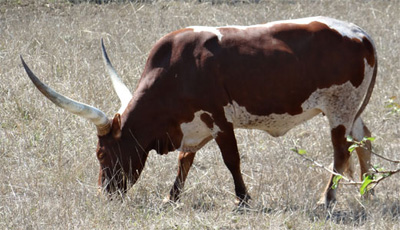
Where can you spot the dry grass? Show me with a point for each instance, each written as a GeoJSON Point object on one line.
{"type": "Point", "coordinates": [47, 164]}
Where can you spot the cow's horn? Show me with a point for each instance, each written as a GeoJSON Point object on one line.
{"type": "Point", "coordinates": [120, 88]}
{"type": "Point", "coordinates": [91, 113]}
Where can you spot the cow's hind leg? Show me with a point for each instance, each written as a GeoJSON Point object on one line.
{"type": "Point", "coordinates": [227, 143]}
{"type": "Point", "coordinates": [185, 161]}
{"type": "Point", "coordinates": [340, 160]}
{"type": "Point", "coordinates": [364, 153]}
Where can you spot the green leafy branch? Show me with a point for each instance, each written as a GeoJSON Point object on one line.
{"type": "Point", "coordinates": [358, 144]}
{"type": "Point", "coordinates": [370, 180]}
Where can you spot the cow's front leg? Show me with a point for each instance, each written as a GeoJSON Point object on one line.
{"type": "Point", "coordinates": [185, 161]}
{"type": "Point", "coordinates": [227, 143]}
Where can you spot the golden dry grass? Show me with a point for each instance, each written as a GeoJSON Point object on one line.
{"type": "Point", "coordinates": [47, 164]}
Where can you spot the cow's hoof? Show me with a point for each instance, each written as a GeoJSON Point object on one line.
{"type": "Point", "coordinates": [326, 204]}
{"type": "Point", "coordinates": [167, 201]}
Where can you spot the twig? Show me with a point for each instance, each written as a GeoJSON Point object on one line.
{"type": "Point", "coordinates": [393, 161]}
{"type": "Point", "coordinates": [349, 181]}
{"type": "Point", "coordinates": [376, 182]}
{"type": "Point", "coordinates": [362, 144]}
{"type": "Point", "coordinates": [389, 172]}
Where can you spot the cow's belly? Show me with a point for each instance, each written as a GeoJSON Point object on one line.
{"type": "Point", "coordinates": [275, 124]}
{"type": "Point", "coordinates": [197, 133]}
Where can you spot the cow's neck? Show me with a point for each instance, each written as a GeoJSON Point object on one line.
{"type": "Point", "coordinates": [149, 124]}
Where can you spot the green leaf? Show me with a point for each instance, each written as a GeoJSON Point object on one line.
{"type": "Point", "coordinates": [349, 138]}
{"type": "Point", "coordinates": [353, 147]}
{"type": "Point", "coordinates": [335, 181]}
{"type": "Point", "coordinates": [370, 138]}
{"type": "Point", "coordinates": [299, 151]}
{"type": "Point", "coordinates": [392, 105]}
{"type": "Point", "coordinates": [364, 187]}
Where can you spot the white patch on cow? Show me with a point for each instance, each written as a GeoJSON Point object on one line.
{"type": "Point", "coordinates": [340, 103]}
{"type": "Point", "coordinates": [346, 29]}
{"type": "Point", "coordinates": [358, 130]}
{"type": "Point", "coordinates": [196, 133]}
{"type": "Point", "coordinates": [214, 30]}
{"type": "Point", "coordinates": [275, 124]}
{"type": "Point", "coordinates": [299, 21]}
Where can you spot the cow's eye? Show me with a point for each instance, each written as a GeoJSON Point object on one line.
{"type": "Point", "coordinates": [100, 156]}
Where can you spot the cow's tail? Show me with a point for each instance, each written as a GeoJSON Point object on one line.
{"type": "Point", "coordinates": [349, 171]}
{"type": "Point", "coordinates": [369, 91]}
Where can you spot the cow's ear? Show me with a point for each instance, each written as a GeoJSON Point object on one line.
{"type": "Point", "coordinates": [116, 126]}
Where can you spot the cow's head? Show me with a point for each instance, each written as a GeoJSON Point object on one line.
{"type": "Point", "coordinates": [120, 156]}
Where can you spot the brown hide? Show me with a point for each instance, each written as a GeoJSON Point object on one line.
{"type": "Point", "coordinates": [266, 70]}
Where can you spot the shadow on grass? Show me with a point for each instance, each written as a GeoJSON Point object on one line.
{"type": "Point", "coordinates": [356, 216]}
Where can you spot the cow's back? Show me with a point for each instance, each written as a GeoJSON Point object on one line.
{"type": "Point", "coordinates": [270, 77]}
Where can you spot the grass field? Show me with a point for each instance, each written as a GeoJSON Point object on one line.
{"type": "Point", "coordinates": [47, 163]}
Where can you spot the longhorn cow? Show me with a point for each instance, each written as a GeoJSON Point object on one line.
{"type": "Point", "coordinates": [200, 83]}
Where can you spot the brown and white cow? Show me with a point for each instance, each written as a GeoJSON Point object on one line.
{"type": "Point", "coordinates": [200, 83]}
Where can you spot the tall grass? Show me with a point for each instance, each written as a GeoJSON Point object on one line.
{"type": "Point", "coordinates": [47, 164]}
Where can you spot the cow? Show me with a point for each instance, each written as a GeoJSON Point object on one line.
{"type": "Point", "coordinates": [200, 83]}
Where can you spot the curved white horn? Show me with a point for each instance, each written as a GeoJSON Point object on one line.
{"type": "Point", "coordinates": [91, 113]}
{"type": "Point", "coordinates": [120, 88]}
